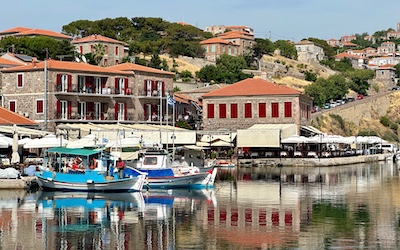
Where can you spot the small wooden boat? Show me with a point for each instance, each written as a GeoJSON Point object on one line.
{"type": "Point", "coordinates": [84, 179]}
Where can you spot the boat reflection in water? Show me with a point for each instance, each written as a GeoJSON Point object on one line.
{"type": "Point", "coordinates": [81, 220]}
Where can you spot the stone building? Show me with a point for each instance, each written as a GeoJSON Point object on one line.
{"type": "Point", "coordinates": [215, 47]}
{"type": "Point", "coordinates": [83, 93]}
{"type": "Point", "coordinates": [114, 50]}
{"type": "Point", "coordinates": [255, 101]}
{"type": "Point", "coordinates": [309, 52]}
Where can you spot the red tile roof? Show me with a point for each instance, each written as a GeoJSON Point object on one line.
{"type": "Point", "coordinates": [251, 87]}
{"type": "Point", "coordinates": [216, 40]}
{"type": "Point", "coordinates": [8, 117]}
{"type": "Point", "coordinates": [236, 34]}
{"type": "Point", "coordinates": [39, 32]}
{"type": "Point", "coordinates": [136, 67]}
{"type": "Point", "coordinates": [4, 61]}
{"type": "Point", "coordinates": [98, 38]}
{"type": "Point", "coordinates": [14, 30]}
{"type": "Point", "coordinates": [63, 65]}
{"type": "Point", "coordinates": [182, 98]}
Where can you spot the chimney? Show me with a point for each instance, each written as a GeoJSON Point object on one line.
{"type": "Point", "coordinates": [264, 75]}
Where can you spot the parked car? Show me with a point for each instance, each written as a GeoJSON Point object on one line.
{"type": "Point", "coordinates": [327, 105]}
{"type": "Point", "coordinates": [359, 97]}
{"type": "Point", "coordinates": [396, 88]}
{"type": "Point", "coordinates": [350, 99]}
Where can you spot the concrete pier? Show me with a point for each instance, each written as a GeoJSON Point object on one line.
{"type": "Point", "coordinates": [24, 182]}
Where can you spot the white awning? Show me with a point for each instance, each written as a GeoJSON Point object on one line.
{"type": "Point", "coordinates": [23, 130]}
{"type": "Point", "coordinates": [265, 135]}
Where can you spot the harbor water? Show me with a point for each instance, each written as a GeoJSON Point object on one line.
{"type": "Point", "coordinates": [343, 207]}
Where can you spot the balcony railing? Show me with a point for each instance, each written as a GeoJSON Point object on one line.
{"type": "Point", "coordinates": [150, 93]}
{"type": "Point", "coordinates": [89, 90]}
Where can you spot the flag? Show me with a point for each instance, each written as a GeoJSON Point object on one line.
{"type": "Point", "coordinates": [170, 101]}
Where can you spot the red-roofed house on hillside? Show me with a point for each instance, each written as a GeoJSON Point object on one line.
{"type": "Point", "coordinates": [215, 47]}
{"type": "Point", "coordinates": [82, 93]}
{"type": "Point", "coordinates": [29, 32]}
{"type": "Point", "coordinates": [115, 50]}
{"type": "Point", "coordinates": [254, 101]}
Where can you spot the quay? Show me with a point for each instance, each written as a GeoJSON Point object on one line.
{"type": "Point", "coordinates": [313, 162]}
{"type": "Point", "coordinates": [24, 182]}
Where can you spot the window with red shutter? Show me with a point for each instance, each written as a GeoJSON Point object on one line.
{"type": "Point", "coordinates": [20, 81]}
{"type": "Point", "coordinates": [210, 110]}
{"type": "Point", "coordinates": [288, 109]}
{"type": "Point", "coordinates": [39, 106]}
{"type": "Point", "coordinates": [262, 110]}
{"type": "Point", "coordinates": [275, 109]}
{"type": "Point", "coordinates": [81, 49]}
{"type": "Point", "coordinates": [247, 110]}
{"type": "Point", "coordinates": [116, 50]}
{"type": "Point", "coordinates": [12, 105]}
{"type": "Point", "coordinates": [234, 110]}
{"type": "Point", "coordinates": [222, 110]}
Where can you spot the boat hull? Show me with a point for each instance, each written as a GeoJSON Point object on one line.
{"type": "Point", "coordinates": [92, 181]}
{"type": "Point", "coordinates": [192, 181]}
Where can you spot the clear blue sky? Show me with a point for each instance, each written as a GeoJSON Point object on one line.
{"type": "Point", "coordinates": [274, 19]}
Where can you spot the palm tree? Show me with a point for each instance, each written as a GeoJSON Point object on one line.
{"type": "Point", "coordinates": [99, 50]}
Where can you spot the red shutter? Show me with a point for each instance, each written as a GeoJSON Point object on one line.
{"type": "Point", "coordinates": [12, 106]}
{"type": "Point", "coordinates": [234, 113]}
{"type": "Point", "coordinates": [19, 83]}
{"type": "Point", "coordinates": [163, 88]}
{"type": "Point", "coordinates": [58, 82]}
{"type": "Point", "coordinates": [153, 86]}
{"type": "Point", "coordinates": [210, 110]}
{"type": "Point", "coordinates": [127, 91]}
{"type": "Point", "coordinates": [222, 110]}
{"type": "Point", "coordinates": [116, 111]}
{"type": "Point", "coordinates": [69, 83]}
{"type": "Point", "coordinates": [262, 110]}
{"type": "Point", "coordinates": [69, 110]}
{"type": "Point", "coordinates": [247, 110]}
{"type": "Point", "coordinates": [275, 109]}
{"type": "Point", "coordinates": [103, 82]}
{"type": "Point", "coordinates": [145, 87]}
{"type": "Point", "coordinates": [288, 109]}
{"type": "Point", "coordinates": [117, 85]}
{"type": "Point", "coordinates": [58, 106]}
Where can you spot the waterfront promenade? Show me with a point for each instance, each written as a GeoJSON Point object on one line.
{"type": "Point", "coordinates": [314, 162]}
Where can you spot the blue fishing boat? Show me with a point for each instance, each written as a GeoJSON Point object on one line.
{"type": "Point", "coordinates": [71, 169]}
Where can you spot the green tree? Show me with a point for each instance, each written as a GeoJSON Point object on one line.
{"type": "Point", "coordinates": [287, 49]}
{"type": "Point", "coordinates": [329, 51]}
{"type": "Point", "coordinates": [99, 50]}
{"type": "Point", "coordinates": [359, 80]}
{"type": "Point", "coordinates": [155, 61]}
{"type": "Point", "coordinates": [260, 48]}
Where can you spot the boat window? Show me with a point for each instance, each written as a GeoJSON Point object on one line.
{"type": "Point", "coordinates": [150, 161]}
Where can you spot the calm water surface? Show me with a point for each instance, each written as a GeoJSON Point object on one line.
{"type": "Point", "coordinates": [347, 207]}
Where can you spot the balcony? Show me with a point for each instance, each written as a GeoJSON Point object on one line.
{"type": "Point", "coordinates": [63, 90]}
{"type": "Point", "coordinates": [150, 94]}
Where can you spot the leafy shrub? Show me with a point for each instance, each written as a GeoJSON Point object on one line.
{"type": "Point", "coordinates": [385, 121]}
{"type": "Point", "coordinates": [367, 133]}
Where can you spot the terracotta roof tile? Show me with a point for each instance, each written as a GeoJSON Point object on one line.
{"type": "Point", "coordinates": [63, 65]}
{"type": "Point", "coordinates": [251, 87]}
{"type": "Point", "coordinates": [8, 117]}
{"type": "Point", "coordinates": [98, 38]}
{"type": "Point", "coordinates": [40, 32]}
{"type": "Point", "coordinates": [4, 61]}
{"type": "Point", "coordinates": [14, 30]}
{"type": "Point", "coordinates": [216, 40]}
{"type": "Point", "coordinates": [136, 67]}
